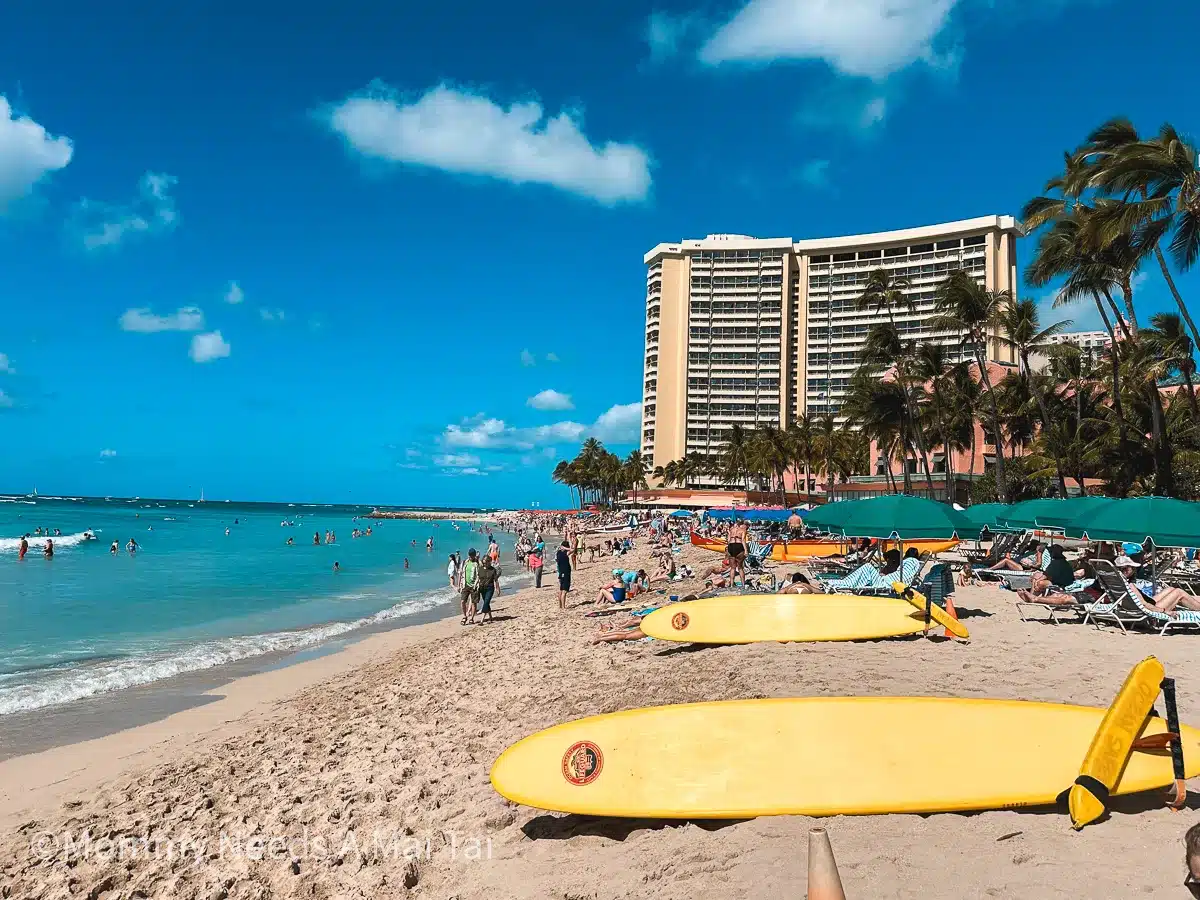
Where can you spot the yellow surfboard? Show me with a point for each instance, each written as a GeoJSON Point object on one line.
{"type": "Point", "coordinates": [817, 756]}
{"type": "Point", "coordinates": [939, 615]}
{"type": "Point", "coordinates": [784, 617]}
{"type": "Point", "coordinates": [1113, 742]}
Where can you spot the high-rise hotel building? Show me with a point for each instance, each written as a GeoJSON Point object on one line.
{"type": "Point", "coordinates": [755, 332]}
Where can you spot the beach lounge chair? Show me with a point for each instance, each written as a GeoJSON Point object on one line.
{"type": "Point", "coordinates": [872, 584]}
{"type": "Point", "coordinates": [983, 558]}
{"type": "Point", "coordinates": [1119, 606]}
{"type": "Point", "coordinates": [1114, 583]}
{"type": "Point", "coordinates": [1080, 606]}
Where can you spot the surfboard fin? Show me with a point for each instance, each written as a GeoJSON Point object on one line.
{"type": "Point", "coordinates": [1114, 741]}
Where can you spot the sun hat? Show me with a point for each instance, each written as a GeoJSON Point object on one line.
{"type": "Point", "coordinates": [618, 572]}
{"type": "Point", "coordinates": [1122, 561]}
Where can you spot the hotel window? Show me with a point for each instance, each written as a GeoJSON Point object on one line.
{"type": "Point", "coordinates": [891, 252]}
{"type": "Point", "coordinates": [871, 254]}
{"type": "Point", "coordinates": [977, 241]}
{"type": "Point", "coordinates": [921, 248]}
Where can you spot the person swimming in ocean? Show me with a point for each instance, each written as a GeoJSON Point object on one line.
{"type": "Point", "coordinates": [24, 548]}
{"type": "Point", "coordinates": [337, 567]}
{"type": "Point", "coordinates": [132, 546]}
{"type": "Point", "coordinates": [48, 550]}
{"type": "Point", "coordinates": [316, 539]}
{"type": "Point", "coordinates": [114, 548]}
{"type": "Point", "coordinates": [291, 542]}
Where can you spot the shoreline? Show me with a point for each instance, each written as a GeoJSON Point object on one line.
{"type": "Point", "coordinates": [396, 735]}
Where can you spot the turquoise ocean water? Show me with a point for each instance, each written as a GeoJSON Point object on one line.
{"type": "Point", "coordinates": [89, 622]}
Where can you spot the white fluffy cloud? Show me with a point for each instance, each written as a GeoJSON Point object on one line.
{"type": "Point", "coordinates": [470, 134]}
{"type": "Point", "coordinates": [856, 37]}
{"type": "Point", "coordinates": [144, 321]}
{"type": "Point", "coordinates": [234, 293]}
{"type": "Point", "coordinates": [456, 460]}
{"type": "Point", "coordinates": [551, 357]}
{"type": "Point", "coordinates": [528, 359]}
{"type": "Point", "coordinates": [208, 346]}
{"type": "Point", "coordinates": [27, 153]}
{"type": "Point", "coordinates": [107, 453]}
{"type": "Point", "coordinates": [619, 424]}
{"type": "Point", "coordinates": [6, 366]}
{"type": "Point", "coordinates": [151, 212]}
{"type": "Point", "coordinates": [549, 399]}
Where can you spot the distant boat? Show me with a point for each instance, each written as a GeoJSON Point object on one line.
{"type": "Point", "coordinates": [201, 500]}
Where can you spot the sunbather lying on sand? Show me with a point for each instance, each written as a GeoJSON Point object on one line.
{"type": "Point", "coordinates": [798, 584]}
{"type": "Point", "coordinates": [629, 628]}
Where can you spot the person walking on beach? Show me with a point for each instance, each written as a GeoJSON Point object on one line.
{"type": "Point", "coordinates": [469, 596]}
{"type": "Point", "coordinates": [489, 586]}
{"type": "Point", "coordinates": [452, 571]}
{"type": "Point", "coordinates": [536, 564]}
{"type": "Point", "coordinates": [562, 560]}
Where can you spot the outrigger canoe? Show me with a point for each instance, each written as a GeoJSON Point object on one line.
{"type": "Point", "coordinates": [798, 551]}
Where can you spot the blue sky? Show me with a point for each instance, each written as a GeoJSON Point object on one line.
{"type": "Point", "coordinates": [392, 252]}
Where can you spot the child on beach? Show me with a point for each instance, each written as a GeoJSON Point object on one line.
{"type": "Point", "coordinates": [536, 564]}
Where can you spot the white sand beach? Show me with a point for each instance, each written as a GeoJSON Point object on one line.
{"type": "Point", "coordinates": [365, 773]}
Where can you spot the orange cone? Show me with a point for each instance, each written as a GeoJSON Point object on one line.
{"type": "Point", "coordinates": [950, 611]}
{"type": "Point", "coordinates": [824, 883]}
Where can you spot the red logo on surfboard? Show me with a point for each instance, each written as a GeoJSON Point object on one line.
{"type": "Point", "coordinates": [680, 621]}
{"type": "Point", "coordinates": [582, 763]}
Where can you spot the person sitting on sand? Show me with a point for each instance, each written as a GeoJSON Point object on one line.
{"type": "Point", "coordinates": [1191, 859]}
{"type": "Point", "coordinates": [798, 584]}
{"type": "Point", "coordinates": [635, 582]}
{"type": "Point", "coordinates": [1037, 560]}
{"type": "Point", "coordinates": [1158, 597]}
{"type": "Point", "coordinates": [612, 591]}
{"type": "Point", "coordinates": [666, 570]}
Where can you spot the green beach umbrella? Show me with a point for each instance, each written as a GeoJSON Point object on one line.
{"type": "Point", "coordinates": [1024, 515]}
{"type": "Point", "coordinates": [1067, 511]}
{"type": "Point", "coordinates": [908, 518]}
{"type": "Point", "coordinates": [987, 514]}
{"type": "Point", "coordinates": [1167, 522]}
{"type": "Point", "coordinates": [830, 516]}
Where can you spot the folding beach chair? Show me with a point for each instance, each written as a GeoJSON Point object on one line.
{"type": "Point", "coordinates": [1121, 606]}
{"type": "Point", "coordinates": [985, 558]}
{"type": "Point", "coordinates": [1082, 601]}
{"type": "Point", "coordinates": [1107, 573]}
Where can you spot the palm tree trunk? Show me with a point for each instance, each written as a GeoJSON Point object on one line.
{"type": "Point", "coordinates": [808, 480]}
{"type": "Point", "coordinates": [1164, 475]}
{"type": "Point", "coordinates": [1183, 310]}
{"type": "Point", "coordinates": [904, 448]}
{"type": "Point", "coordinates": [1191, 389]}
{"type": "Point", "coordinates": [1045, 415]}
{"type": "Point", "coordinates": [1127, 296]}
{"type": "Point", "coordinates": [1114, 355]}
{"type": "Point", "coordinates": [949, 468]}
{"type": "Point", "coordinates": [911, 407]}
{"type": "Point", "coordinates": [997, 435]}
{"type": "Point", "coordinates": [891, 478]}
{"type": "Point", "coordinates": [1117, 314]}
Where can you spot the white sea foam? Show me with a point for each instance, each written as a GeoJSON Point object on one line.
{"type": "Point", "coordinates": [54, 686]}
{"type": "Point", "coordinates": [37, 541]}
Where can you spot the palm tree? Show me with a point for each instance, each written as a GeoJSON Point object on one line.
{"type": "Point", "coordinates": [825, 446]}
{"type": "Point", "coordinates": [884, 345]}
{"type": "Point", "coordinates": [932, 366]}
{"type": "Point", "coordinates": [1021, 330]}
{"type": "Point", "coordinates": [1158, 184]}
{"type": "Point", "coordinates": [880, 410]}
{"type": "Point", "coordinates": [636, 468]}
{"type": "Point", "coordinates": [733, 462]}
{"type": "Point", "coordinates": [970, 309]}
{"type": "Point", "coordinates": [1168, 339]}
{"type": "Point", "coordinates": [803, 446]}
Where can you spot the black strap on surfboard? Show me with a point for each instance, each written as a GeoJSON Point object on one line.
{"type": "Point", "coordinates": [1177, 792]}
{"type": "Point", "coordinates": [1096, 788]}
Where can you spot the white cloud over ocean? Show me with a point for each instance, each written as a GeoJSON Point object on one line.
{"type": "Point", "coordinates": [550, 400]}
{"type": "Point", "coordinates": [618, 425]}
{"type": "Point", "coordinates": [145, 321]}
{"type": "Point", "coordinates": [209, 346]}
{"type": "Point", "coordinates": [28, 153]}
{"type": "Point", "coordinates": [152, 211]}
{"type": "Point", "coordinates": [468, 133]}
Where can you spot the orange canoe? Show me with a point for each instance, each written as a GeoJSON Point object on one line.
{"type": "Point", "coordinates": [797, 551]}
